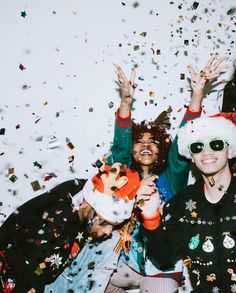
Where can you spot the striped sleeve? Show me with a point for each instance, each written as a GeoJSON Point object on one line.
{"type": "Point", "coordinates": [123, 122]}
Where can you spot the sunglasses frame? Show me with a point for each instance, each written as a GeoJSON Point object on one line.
{"type": "Point", "coordinates": [207, 143]}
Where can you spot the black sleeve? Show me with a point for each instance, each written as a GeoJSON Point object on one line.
{"type": "Point", "coordinates": [165, 244]}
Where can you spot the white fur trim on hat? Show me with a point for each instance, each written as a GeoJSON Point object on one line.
{"type": "Point", "coordinates": [206, 127]}
{"type": "Point", "coordinates": [111, 208]}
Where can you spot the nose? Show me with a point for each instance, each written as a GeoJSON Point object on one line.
{"type": "Point", "coordinates": [145, 143]}
{"type": "Point", "coordinates": [107, 231]}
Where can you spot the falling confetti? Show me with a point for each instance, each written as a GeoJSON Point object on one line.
{"type": "Point", "coordinates": [49, 176]}
{"type": "Point", "coordinates": [13, 178]}
{"type": "Point", "coordinates": [23, 14]}
{"type": "Point", "coordinates": [110, 105]}
{"type": "Point", "coordinates": [35, 185]}
{"type": "Point", "coordinates": [22, 67]}
{"type": "Point", "coordinates": [2, 131]}
{"type": "Point", "coordinates": [36, 164]}
{"type": "Point", "coordinates": [70, 146]}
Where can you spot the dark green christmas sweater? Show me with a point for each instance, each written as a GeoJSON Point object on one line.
{"type": "Point", "coordinates": [40, 238]}
{"type": "Point", "coordinates": [201, 232]}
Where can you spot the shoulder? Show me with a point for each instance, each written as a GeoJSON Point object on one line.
{"type": "Point", "coordinates": [190, 192]}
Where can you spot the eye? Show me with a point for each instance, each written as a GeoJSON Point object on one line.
{"type": "Point", "coordinates": [152, 141]}
{"type": "Point", "coordinates": [139, 142]}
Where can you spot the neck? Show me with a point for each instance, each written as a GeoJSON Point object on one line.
{"type": "Point", "coordinates": [221, 182]}
{"type": "Point", "coordinates": [146, 170]}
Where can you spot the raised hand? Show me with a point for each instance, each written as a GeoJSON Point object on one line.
{"type": "Point", "coordinates": [211, 71]}
{"type": "Point", "coordinates": [127, 88]}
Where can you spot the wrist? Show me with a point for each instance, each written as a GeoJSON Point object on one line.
{"type": "Point", "coordinates": [152, 222]}
{"type": "Point", "coordinates": [124, 110]}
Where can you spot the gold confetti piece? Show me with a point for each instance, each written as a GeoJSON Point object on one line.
{"type": "Point", "coordinates": [143, 34]}
{"type": "Point", "coordinates": [151, 94]}
{"type": "Point", "coordinates": [182, 76]}
{"type": "Point", "coordinates": [42, 265]}
{"type": "Point", "coordinates": [35, 185]}
{"type": "Point", "coordinates": [187, 262]}
{"type": "Point", "coordinates": [141, 202]}
{"type": "Point", "coordinates": [212, 181]}
{"type": "Point", "coordinates": [10, 171]}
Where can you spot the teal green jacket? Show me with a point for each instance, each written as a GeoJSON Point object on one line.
{"type": "Point", "coordinates": [172, 180]}
{"type": "Point", "coordinates": [175, 175]}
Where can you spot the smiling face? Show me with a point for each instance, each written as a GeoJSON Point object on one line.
{"type": "Point", "coordinates": [145, 150]}
{"type": "Point", "coordinates": [95, 224]}
{"type": "Point", "coordinates": [211, 162]}
{"type": "Point", "coordinates": [101, 228]}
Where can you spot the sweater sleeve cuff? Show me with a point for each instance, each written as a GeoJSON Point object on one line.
{"type": "Point", "coordinates": [123, 122]}
{"type": "Point", "coordinates": [153, 222]}
{"type": "Point", "coordinates": [189, 114]}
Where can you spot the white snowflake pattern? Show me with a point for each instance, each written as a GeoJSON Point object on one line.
{"type": "Point", "coordinates": [55, 260]}
{"type": "Point", "coordinates": [215, 290]}
{"type": "Point", "coordinates": [190, 205]}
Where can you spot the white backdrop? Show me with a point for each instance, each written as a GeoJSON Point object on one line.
{"type": "Point", "coordinates": [67, 49]}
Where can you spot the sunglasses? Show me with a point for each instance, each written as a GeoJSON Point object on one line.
{"type": "Point", "coordinates": [215, 145]}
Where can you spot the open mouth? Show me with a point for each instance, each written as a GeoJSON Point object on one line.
{"type": "Point", "coordinates": [208, 161]}
{"type": "Point", "coordinates": [146, 152]}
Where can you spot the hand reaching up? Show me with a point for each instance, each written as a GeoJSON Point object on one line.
{"type": "Point", "coordinates": [127, 88]}
{"type": "Point", "coordinates": [211, 71]}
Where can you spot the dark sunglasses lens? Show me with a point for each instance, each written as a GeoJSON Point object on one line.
{"type": "Point", "coordinates": [217, 145]}
{"type": "Point", "coordinates": [196, 147]}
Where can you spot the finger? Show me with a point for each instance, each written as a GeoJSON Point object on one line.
{"type": "Point", "coordinates": [121, 182]}
{"type": "Point", "coordinates": [147, 190]}
{"type": "Point", "coordinates": [132, 76]}
{"type": "Point", "coordinates": [148, 179]}
{"type": "Point", "coordinates": [213, 76]}
{"type": "Point", "coordinates": [114, 171]}
{"type": "Point", "coordinates": [210, 61]}
{"type": "Point", "coordinates": [103, 177]}
{"type": "Point", "coordinates": [220, 61]}
{"type": "Point", "coordinates": [219, 69]}
{"type": "Point", "coordinates": [120, 73]}
{"type": "Point", "coordinates": [145, 197]}
{"type": "Point", "coordinates": [120, 77]}
{"type": "Point", "coordinates": [191, 71]}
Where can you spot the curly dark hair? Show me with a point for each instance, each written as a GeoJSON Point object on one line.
{"type": "Point", "coordinates": [163, 143]}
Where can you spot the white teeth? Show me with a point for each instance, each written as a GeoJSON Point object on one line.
{"type": "Point", "coordinates": [208, 161]}
{"type": "Point", "coordinates": [145, 152]}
